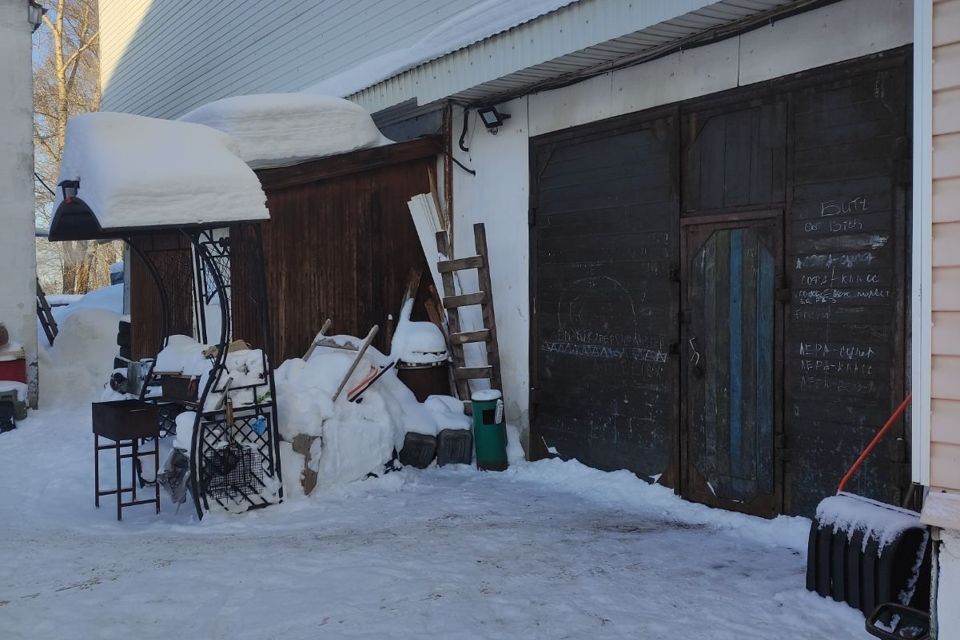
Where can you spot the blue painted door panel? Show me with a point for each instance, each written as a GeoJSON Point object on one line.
{"type": "Point", "coordinates": [731, 424]}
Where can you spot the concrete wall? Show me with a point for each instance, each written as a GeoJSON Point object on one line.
{"type": "Point", "coordinates": [498, 194]}
{"type": "Point", "coordinates": [19, 271]}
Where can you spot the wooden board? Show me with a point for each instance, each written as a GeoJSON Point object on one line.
{"type": "Point", "coordinates": [732, 381]}
{"type": "Point", "coordinates": [827, 152]}
{"type": "Point", "coordinates": [605, 307]}
{"type": "Point", "coordinates": [846, 249]}
{"type": "Point", "coordinates": [172, 255]}
{"type": "Point", "coordinates": [339, 246]}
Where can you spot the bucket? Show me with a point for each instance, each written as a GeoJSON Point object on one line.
{"type": "Point", "coordinates": [425, 380]}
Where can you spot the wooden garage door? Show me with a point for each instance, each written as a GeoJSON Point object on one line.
{"type": "Point", "coordinates": [605, 296]}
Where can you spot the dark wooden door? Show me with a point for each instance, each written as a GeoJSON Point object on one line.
{"type": "Point", "coordinates": [604, 297]}
{"type": "Point", "coordinates": [732, 270]}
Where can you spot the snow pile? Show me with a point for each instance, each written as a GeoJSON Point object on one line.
{"type": "Point", "coordinates": [482, 20]}
{"type": "Point", "coordinates": [417, 342]}
{"type": "Point", "coordinates": [622, 490]}
{"type": "Point", "coordinates": [77, 367]}
{"type": "Point", "coordinates": [136, 172]}
{"type": "Point", "coordinates": [353, 439]}
{"type": "Point", "coordinates": [878, 521]}
{"type": "Point", "coordinates": [277, 129]}
{"type": "Point", "coordinates": [108, 298]}
{"type": "Point", "coordinates": [183, 355]}
{"type": "Point", "coordinates": [17, 387]}
{"type": "Point", "coordinates": [244, 367]}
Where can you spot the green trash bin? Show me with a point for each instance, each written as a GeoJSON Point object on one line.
{"type": "Point", "coordinates": [489, 430]}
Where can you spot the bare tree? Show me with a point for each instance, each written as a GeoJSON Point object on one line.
{"type": "Point", "coordinates": [66, 83]}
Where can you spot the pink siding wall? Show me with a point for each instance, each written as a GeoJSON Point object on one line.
{"type": "Point", "coordinates": [945, 340]}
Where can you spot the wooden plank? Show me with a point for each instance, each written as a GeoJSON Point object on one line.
{"type": "Point", "coordinates": [487, 311]}
{"type": "Point", "coordinates": [470, 336]}
{"type": "Point", "coordinates": [473, 262]}
{"type": "Point", "coordinates": [171, 253]}
{"type": "Point", "coordinates": [453, 317]}
{"type": "Point", "coordinates": [465, 300]}
{"type": "Point", "coordinates": [340, 248]}
{"type": "Point", "coordinates": [353, 163]}
{"type": "Point", "coordinates": [472, 373]}
{"type": "Point", "coordinates": [604, 306]}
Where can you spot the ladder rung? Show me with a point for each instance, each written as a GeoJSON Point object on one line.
{"type": "Point", "coordinates": [470, 336]}
{"type": "Point", "coordinates": [473, 373]}
{"type": "Point", "coordinates": [473, 262]}
{"type": "Point", "coordinates": [452, 302]}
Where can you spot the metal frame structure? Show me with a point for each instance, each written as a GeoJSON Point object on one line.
{"type": "Point", "coordinates": [234, 455]}
{"type": "Point", "coordinates": [235, 445]}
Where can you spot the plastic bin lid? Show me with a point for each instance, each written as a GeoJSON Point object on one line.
{"type": "Point", "coordinates": [486, 395]}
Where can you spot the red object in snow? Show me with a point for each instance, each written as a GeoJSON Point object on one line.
{"type": "Point", "coordinates": [892, 420]}
{"type": "Point", "coordinates": [13, 365]}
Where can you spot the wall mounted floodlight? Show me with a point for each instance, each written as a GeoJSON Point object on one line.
{"type": "Point", "coordinates": [35, 14]}
{"type": "Point", "coordinates": [492, 119]}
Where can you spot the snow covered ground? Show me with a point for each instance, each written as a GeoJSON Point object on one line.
{"type": "Point", "coordinates": [545, 550]}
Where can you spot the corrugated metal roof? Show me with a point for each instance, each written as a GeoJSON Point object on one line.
{"type": "Point", "coordinates": [575, 42]}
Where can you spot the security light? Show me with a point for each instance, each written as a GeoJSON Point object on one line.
{"type": "Point", "coordinates": [35, 14]}
{"type": "Point", "coordinates": [491, 118]}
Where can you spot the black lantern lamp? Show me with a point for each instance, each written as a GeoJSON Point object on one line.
{"type": "Point", "coordinates": [35, 14]}
{"type": "Point", "coordinates": [492, 119]}
{"type": "Point", "coordinates": [69, 188]}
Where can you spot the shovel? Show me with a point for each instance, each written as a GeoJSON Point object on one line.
{"type": "Point", "coordinates": [867, 553]}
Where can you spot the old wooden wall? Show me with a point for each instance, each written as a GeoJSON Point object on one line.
{"type": "Point", "coordinates": [171, 255]}
{"type": "Point", "coordinates": [823, 156]}
{"type": "Point", "coordinates": [339, 245]}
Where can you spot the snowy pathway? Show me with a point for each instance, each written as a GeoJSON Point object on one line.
{"type": "Point", "coordinates": [548, 550]}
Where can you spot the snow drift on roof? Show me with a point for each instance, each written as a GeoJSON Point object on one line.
{"type": "Point", "coordinates": [482, 20]}
{"type": "Point", "coordinates": [136, 171]}
{"type": "Point", "coordinates": [277, 129]}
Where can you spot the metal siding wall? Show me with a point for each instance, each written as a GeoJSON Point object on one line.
{"type": "Point", "coordinates": [945, 383]}
{"type": "Point", "coordinates": [165, 57]}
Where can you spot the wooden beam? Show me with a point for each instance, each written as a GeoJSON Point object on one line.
{"type": "Point", "coordinates": [349, 163]}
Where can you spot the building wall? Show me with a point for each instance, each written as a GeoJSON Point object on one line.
{"type": "Point", "coordinates": [18, 280]}
{"type": "Point", "coordinates": [498, 194]}
{"type": "Point", "coordinates": [164, 57]}
{"type": "Point", "coordinates": [945, 340]}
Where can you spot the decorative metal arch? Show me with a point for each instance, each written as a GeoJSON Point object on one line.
{"type": "Point", "coordinates": [235, 454]}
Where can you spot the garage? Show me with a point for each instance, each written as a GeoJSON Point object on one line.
{"type": "Point", "coordinates": [718, 288]}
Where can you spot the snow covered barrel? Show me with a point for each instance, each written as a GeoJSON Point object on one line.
{"type": "Point", "coordinates": [867, 553]}
{"type": "Point", "coordinates": [423, 362]}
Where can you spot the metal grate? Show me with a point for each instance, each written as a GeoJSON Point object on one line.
{"type": "Point", "coordinates": [237, 464]}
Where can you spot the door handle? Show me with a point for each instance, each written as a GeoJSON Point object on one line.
{"type": "Point", "coordinates": [695, 358]}
{"type": "Point", "coordinates": [694, 354]}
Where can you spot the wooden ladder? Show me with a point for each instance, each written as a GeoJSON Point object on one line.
{"type": "Point", "coordinates": [453, 302]}
{"type": "Point", "coordinates": [47, 321]}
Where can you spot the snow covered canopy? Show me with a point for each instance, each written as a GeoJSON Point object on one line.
{"type": "Point", "coordinates": [137, 173]}
{"type": "Point", "coordinates": [278, 129]}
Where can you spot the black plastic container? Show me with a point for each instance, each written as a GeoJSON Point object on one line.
{"type": "Point", "coordinates": [454, 446]}
{"type": "Point", "coordinates": [418, 450]}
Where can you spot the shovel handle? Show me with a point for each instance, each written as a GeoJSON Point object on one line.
{"type": "Point", "coordinates": [873, 443]}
